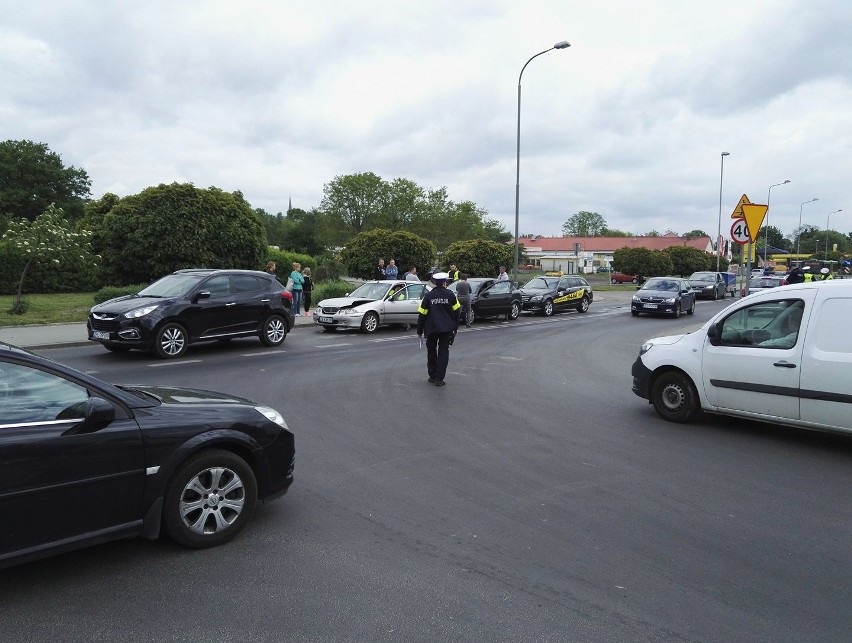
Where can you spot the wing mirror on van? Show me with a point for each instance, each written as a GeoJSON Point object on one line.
{"type": "Point", "coordinates": [714, 333]}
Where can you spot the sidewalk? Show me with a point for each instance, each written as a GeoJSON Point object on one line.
{"type": "Point", "coordinates": [65, 335]}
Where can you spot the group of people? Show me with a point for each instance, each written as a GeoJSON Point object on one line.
{"type": "Point", "coordinates": [804, 274]}
{"type": "Point", "coordinates": [300, 285]}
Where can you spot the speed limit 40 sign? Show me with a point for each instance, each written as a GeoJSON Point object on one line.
{"type": "Point", "coordinates": [739, 232]}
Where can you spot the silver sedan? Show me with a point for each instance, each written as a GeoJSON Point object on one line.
{"type": "Point", "coordinates": [372, 304]}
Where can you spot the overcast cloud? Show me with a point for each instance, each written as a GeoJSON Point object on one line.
{"type": "Point", "coordinates": [276, 98]}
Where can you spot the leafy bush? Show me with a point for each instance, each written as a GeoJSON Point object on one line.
{"type": "Point", "coordinates": [479, 257]}
{"type": "Point", "coordinates": [329, 289]}
{"type": "Point", "coordinates": [111, 292]}
{"type": "Point", "coordinates": [363, 252]}
{"type": "Point", "coordinates": [284, 262]}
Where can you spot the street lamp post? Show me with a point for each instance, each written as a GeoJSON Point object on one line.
{"type": "Point", "coordinates": [564, 44]}
{"type": "Point", "coordinates": [827, 219]}
{"type": "Point", "coordinates": [799, 231]}
{"type": "Point", "coordinates": [766, 223]}
{"type": "Point", "coordinates": [719, 226]}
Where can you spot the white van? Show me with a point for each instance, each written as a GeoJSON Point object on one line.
{"type": "Point", "coordinates": [781, 355]}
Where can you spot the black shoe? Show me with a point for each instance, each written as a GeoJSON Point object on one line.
{"type": "Point", "coordinates": [431, 380]}
{"type": "Point", "coordinates": [440, 382]}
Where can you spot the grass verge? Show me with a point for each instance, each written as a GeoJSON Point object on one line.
{"type": "Point", "coordinates": [59, 308]}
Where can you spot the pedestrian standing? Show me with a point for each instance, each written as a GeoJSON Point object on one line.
{"type": "Point", "coordinates": [463, 293]}
{"type": "Point", "coordinates": [379, 271]}
{"type": "Point", "coordinates": [439, 321]}
{"type": "Point", "coordinates": [454, 273]}
{"type": "Point", "coordinates": [503, 276]}
{"type": "Point", "coordinates": [391, 272]}
{"type": "Point", "coordinates": [298, 283]}
{"type": "Point", "coordinates": [270, 268]}
{"type": "Point", "coordinates": [796, 276]}
{"type": "Point", "coordinates": [307, 290]}
{"type": "Point", "coordinates": [411, 275]}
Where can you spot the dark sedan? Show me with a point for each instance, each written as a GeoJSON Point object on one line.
{"type": "Point", "coordinates": [547, 295]}
{"type": "Point", "coordinates": [710, 285]}
{"type": "Point", "coordinates": [85, 462]}
{"type": "Point", "coordinates": [192, 306]}
{"type": "Point", "coordinates": [664, 296]}
{"type": "Point", "coordinates": [491, 298]}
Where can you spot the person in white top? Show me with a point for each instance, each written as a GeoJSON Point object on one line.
{"type": "Point", "coordinates": [411, 275]}
{"type": "Point", "coordinates": [503, 276]}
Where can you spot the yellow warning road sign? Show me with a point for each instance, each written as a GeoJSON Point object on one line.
{"type": "Point", "coordinates": [738, 211]}
{"type": "Point", "coordinates": [753, 213]}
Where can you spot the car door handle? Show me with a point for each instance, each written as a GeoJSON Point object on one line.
{"type": "Point", "coordinates": [784, 364]}
{"type": "Point", "coordinates": [233, 303]}
{"type": "Point", "coordinates": [264, 301]}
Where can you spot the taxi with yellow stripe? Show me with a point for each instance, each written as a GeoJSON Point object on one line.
{"type": "Point", "coordinates": [547, 295]}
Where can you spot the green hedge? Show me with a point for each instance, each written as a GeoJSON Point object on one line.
{"type": "Point", "coordinates": [71, 274]}
{"type": "Point", "coordinates": [111, 292]}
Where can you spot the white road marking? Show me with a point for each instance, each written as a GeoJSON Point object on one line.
{"type": "Point", "coordinates": [262, 353]}
{"type": "Point", "coordinates": [331, 345]}
{"type": "Point", "coordinates": [185, 361]}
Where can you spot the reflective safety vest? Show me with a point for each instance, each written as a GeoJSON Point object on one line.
{"type": "Point", "coordinates": [808, 277]}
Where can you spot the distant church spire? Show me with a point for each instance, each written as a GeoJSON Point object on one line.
{"type": "Point", "coordinates": [290, 204]}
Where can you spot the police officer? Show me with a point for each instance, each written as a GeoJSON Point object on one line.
{"type": "Point", "coordinates": [439, 320]}
{"type": "Point", "coordinates": [824, 274]}
{"type": "Point", "coordinates": [808, 274]}
{"type": "Point", "coordinates": [454, 273]}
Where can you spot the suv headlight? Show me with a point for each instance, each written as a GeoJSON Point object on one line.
{"type": "Point", "coordinates": [140, 312]}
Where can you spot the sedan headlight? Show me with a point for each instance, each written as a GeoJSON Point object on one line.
{"type": "Point", "coordinates": [536, 298]}
{"type": "Point", "coordinates": [140, 312]}
{"type": "Point", "coordinates": [349, 311]}
{"type": "Point", "coordinates": [636, 298]}
{"type": "Point", "coordinates": [670, 300]}
{"type": "Point", "coordinates": [272, 415]}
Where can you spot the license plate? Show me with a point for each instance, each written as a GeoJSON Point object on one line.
{"type": "Point", "coordinates": [326, 320]}
{"type": "Point", "coordinates": [650, 305]}
{"type": "Point", "coordinates": [99, 334]}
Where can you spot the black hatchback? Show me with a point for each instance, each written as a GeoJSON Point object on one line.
{"type": "Point", "coordinates": [84, 462]}
{"type": "Point", "coordinates": [191, 306]}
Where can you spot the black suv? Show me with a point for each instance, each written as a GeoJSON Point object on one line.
{"type": "Point", "coordinates": [548, 295]}
{"type": "Point", "coordinates": [191, 306]}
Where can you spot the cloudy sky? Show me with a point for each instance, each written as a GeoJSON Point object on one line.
{"type": "Point", "coordinates": [276, 97]}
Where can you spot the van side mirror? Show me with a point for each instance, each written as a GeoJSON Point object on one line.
{"type": "Point", "coordinates": [713, 334]}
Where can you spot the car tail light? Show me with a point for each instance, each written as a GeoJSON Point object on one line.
{"type": "Point", "coordinates": [287, 295]}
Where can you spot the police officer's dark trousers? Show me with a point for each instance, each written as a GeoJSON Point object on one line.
{"type": "Point", "coordinates": [437, 354]}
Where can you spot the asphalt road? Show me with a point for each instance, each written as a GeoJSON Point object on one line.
{"type": "Point", "coordinates": [534, 498]}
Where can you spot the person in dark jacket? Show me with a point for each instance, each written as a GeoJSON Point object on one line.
{"type": "Point", "coordinates": [796, 276]}
{"type": "Point", "coordinates": [379, 271]}
{"type": "Point", "coordinates": [439, 321]}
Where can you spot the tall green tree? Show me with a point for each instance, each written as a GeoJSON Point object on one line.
{"type": "Point", "coordinates": [693, 234]}
{"type": "Point", "coordinates": [32, 178]}
{"type": "Point", "coordinates": [584, 224]}
{"type": "Point", "coordinates": [354, 203]}
{"type": "Point", "coordinates": [168, 227]}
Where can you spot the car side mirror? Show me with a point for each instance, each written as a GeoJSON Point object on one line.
{"type": "Point", "coordinates": [99, 411]}
{"type": "Point", "coordinates": [204, 294]}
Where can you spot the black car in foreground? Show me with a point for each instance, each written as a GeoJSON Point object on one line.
{"type": "Point", "coordinates": [491, 298]}
{"type": "Point", "coordinates": [664, 296]}
{"type": "Point", "coordinates": [547, 295]}
{"type": "Point", "coordinates": [191, 306]}
{"type": "Point", "coordinates": [85, 462]}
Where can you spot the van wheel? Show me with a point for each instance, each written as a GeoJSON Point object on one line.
{"type": "Point", "coordinates": [674, 397]}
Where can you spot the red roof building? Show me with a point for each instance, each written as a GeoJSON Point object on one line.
{"type": "Point", "coordinates": [583, 254]}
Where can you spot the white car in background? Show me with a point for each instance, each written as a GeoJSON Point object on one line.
{"type": "Point", "coordinates": [373, 304]}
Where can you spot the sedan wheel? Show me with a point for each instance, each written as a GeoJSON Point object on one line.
{"type": "Point", "coordinates": [171, 341]}
{"type": "Point", "coordinates": [674, 397]}
{"type": "Point", "coordinates": [209, 499]}
{"type": "Point", "coordinates": [547, 308]}
{"type": "Point", "coordinates": [370, 322]}
{"type": "Point", "coordinates": [584, 305]}
{"type": "Point", "coordinates": [274, 331]}
{"type": "Point", "coordinates": [691, 310]}
{"type": "Point", "coordinates": [677, 310]}
{"type": "Point", "coordinates": [614, 280]}
{"type": "Point", "coordinates": [516, 310]}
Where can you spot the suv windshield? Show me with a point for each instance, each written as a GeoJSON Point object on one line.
{"type": "Point", "coordinates": [370, 291]}
{"type": "Point", "coordinates": [172, 285]}
{"type": "Point", "coordinates": [539, 283]}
